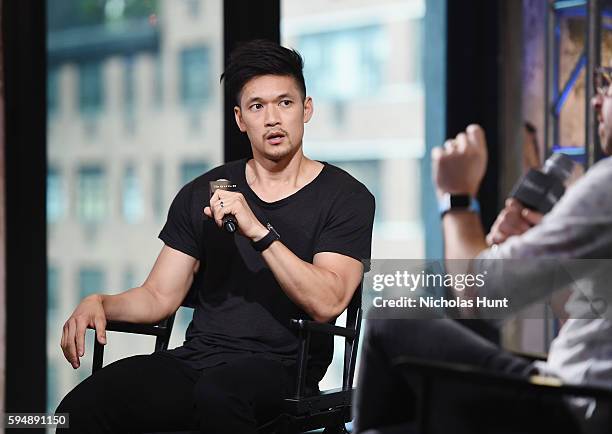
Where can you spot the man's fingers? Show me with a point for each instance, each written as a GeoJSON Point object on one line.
{"type": "Point", "coordinates": [533, 217]}
{"type": "Point", "coordinates": [64, 339]}
{"type": "Point", "coordinates": [100, 326]}
{"type": "Point", "coordinates": [512, 203]}
{"type": "Point", "coordinates": [437, 152]}
{"type": "Point", "coordinates": [476, 134]}
{"type": "Point", "coordinates": [71, 344]}
{"type": "Point", "coordinates": [461, 142]}
{"type": "Point", "coordinates": [510, 227]}
{"type": "Point", "coordinates": [496, 238]}
{"type": "Point", "coordinates": [81, 328]}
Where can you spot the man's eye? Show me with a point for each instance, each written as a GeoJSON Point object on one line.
{"type": "Point", "coordinates": [256, 107]}
{"type": "Point", "coordinates": [285, 103]}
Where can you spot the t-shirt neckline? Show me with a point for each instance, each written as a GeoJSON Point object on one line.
{"type": "Point", "coordinates": [284, 200]}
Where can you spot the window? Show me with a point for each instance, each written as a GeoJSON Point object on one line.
{"type": "Point", "coordinates": [368, 172]}
{"type": "Point", "coordinates": [129, 94]}
{"type": "Point", "coordinates": [128, 83]}
{"type": "Point", "coordinates": [132, 199]}
{"type": "Point", "coordinates": [90, 87]}
{"type": "Point", "coordinates": [129, 279]}
{"type": "Point", "coordinates": [344, 64]}
{"type": "Point", "coordinates": [191, 170]}
{"type": "Point", "coordinates": [110, 167]}
{"type": "Point", "coordinates": [417, 30]}
{"type": "Point", "coordinates": [195, 77]}
{"type": "Point", "coordinates": [52, 288]}
{"type": "Point", "coordinates": [52, 90]}
{"type": "Point", "coordinates": [193, 8]}
{"type": "Point", "coordinates": [362, 63]}
{"type": "Point", "coordinates": [55, 196]}
{"type": "Point", "coordinates": [92, 200]}
{"type": "Point", "coordinates": [91, 281]}
{"type": "Point", "coordinates": [158, 82]}
{"type": "Point", "coordinates": [159, 205]}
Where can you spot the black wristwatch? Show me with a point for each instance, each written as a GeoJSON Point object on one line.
{"type": "Point", "coordinates": [265, 242]}
{"type": "Point", "coordinates": [457, 202]}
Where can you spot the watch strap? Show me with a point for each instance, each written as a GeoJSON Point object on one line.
{"type": "Point", "coordinates": [458, 202]}
{"type": "Point", "coordinates": [268, 239]}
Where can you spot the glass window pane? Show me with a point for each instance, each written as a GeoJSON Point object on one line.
{"type": "Point", "coordinates": [55, 195]}
{"type": "Point", "coordinates": [158, 190]}
{"type": "Point", "coordinates": [195, 77]}
{"type": "Point", "coordinates": [362, 65]}
{"type": "Point", "coordinates": [133, 209]}
{"type": "Point", "coordinates": [134, 93]}
{"type": "Point", "coordinates": [192, 169]}
{"type": "Point", "coordinates": [91, 281]}
{"type": "Point", "coordinates": [52, 90]}
{"type": "Point", "coordinates": [90, 87]}
{"type": "Point", "coordinates": [91, 200]}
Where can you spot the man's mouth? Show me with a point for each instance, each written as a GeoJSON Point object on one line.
{"type": "Point", "coordinates": [275, 137]}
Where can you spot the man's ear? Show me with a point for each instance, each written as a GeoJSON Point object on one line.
{"type": "Point", "coordinates": [308, 109]}
{"type": "Point", "coordinates": [238, 117]}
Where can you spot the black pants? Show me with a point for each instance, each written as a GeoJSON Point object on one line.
{"type": "Point", "coordinates": [156, 392]}
{"type": "Point", "coordinates": [386, 402]}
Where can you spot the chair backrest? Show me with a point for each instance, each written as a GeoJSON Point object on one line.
{"type": "Point", "coordinates": [353, 322]}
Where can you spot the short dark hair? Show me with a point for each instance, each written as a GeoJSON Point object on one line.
{"type": "Point", "coordinates": [261, 57]}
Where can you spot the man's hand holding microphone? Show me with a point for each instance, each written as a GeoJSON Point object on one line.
{"type": "Point", "coordinates": [232, 203]}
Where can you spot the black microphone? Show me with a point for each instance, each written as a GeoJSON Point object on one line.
{"type": "Point", "coordinates": [229, 221]}
{"type": "Point", "coordinates": [540, 190]}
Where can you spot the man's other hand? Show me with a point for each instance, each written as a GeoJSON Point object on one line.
{"type": "Point", "coordinates": [460, 165]}
{"type": "Point", "coordinates": [514, 219]}
{"type": "Point", "coordinates": [89, 313]}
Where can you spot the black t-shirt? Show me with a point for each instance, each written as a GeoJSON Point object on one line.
{"type": "Point", "coordinates": [240, 309]}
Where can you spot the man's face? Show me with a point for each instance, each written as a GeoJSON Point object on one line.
{"type": "Point", "coordinates": [602, 103]}
{"type": "Point", "coordinates": [273, 112]}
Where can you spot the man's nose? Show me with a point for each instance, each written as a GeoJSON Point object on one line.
{"type": "Point", "coordinates": [271, 115]}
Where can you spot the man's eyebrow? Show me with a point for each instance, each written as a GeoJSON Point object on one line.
{"type": "Point", "coordinates": [259, 99]}
{"type": "Point", "coordinates": [253, 99]}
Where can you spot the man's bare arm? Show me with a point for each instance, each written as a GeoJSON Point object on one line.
{"type": "Point", "coordinates": [160, 296]}
{"type": "Point", "coordinates": [463, 235]}
{"type": "Point", "coordinates": [324, 288]}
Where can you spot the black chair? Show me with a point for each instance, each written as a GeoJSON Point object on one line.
{"type": "Point", "coordinates": [458, 398]}
{"type": "Point", "coordinates": [329, 410]}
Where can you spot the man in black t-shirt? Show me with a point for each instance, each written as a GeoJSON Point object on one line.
{"type": "Point", "coordinates": [303, 228]}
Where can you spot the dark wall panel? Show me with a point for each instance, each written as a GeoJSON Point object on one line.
{"type": "Point", "coordinates": [23, 33]}
{"type": "Point", "coordinates": [245, 20]}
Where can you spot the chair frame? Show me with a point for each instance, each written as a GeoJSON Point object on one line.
{"type": "Point", "coordinates": [330, 409]}
{"type": "Point", "coordinates": [427, 371]}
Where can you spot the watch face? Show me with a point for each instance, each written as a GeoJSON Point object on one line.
{"type": "Point", "coordinates": [459, 201]}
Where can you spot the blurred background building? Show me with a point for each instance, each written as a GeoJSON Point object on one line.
{"type": "Point", "coordinates": [135, 112]}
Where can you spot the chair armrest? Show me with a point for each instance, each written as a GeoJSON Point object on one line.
{"type": "Point", "coordinates": [531, 356]}
{"type": "Point", "coordinates": [319, 327]}
{"type": "Point", "coordinates": [158, 329]}
{"type": "Point", "coordinates": [484, 377]}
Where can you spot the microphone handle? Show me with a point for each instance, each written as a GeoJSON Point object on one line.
{"type": "Point", "coordinates": [229, 223]}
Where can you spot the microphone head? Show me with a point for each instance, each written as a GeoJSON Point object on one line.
{"type": "Point", "coordinates": [221, 184]}
{"type": "Point", "coordinates": [229, 225]}
{"type": "Point", "coordinates": [559, 165]}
